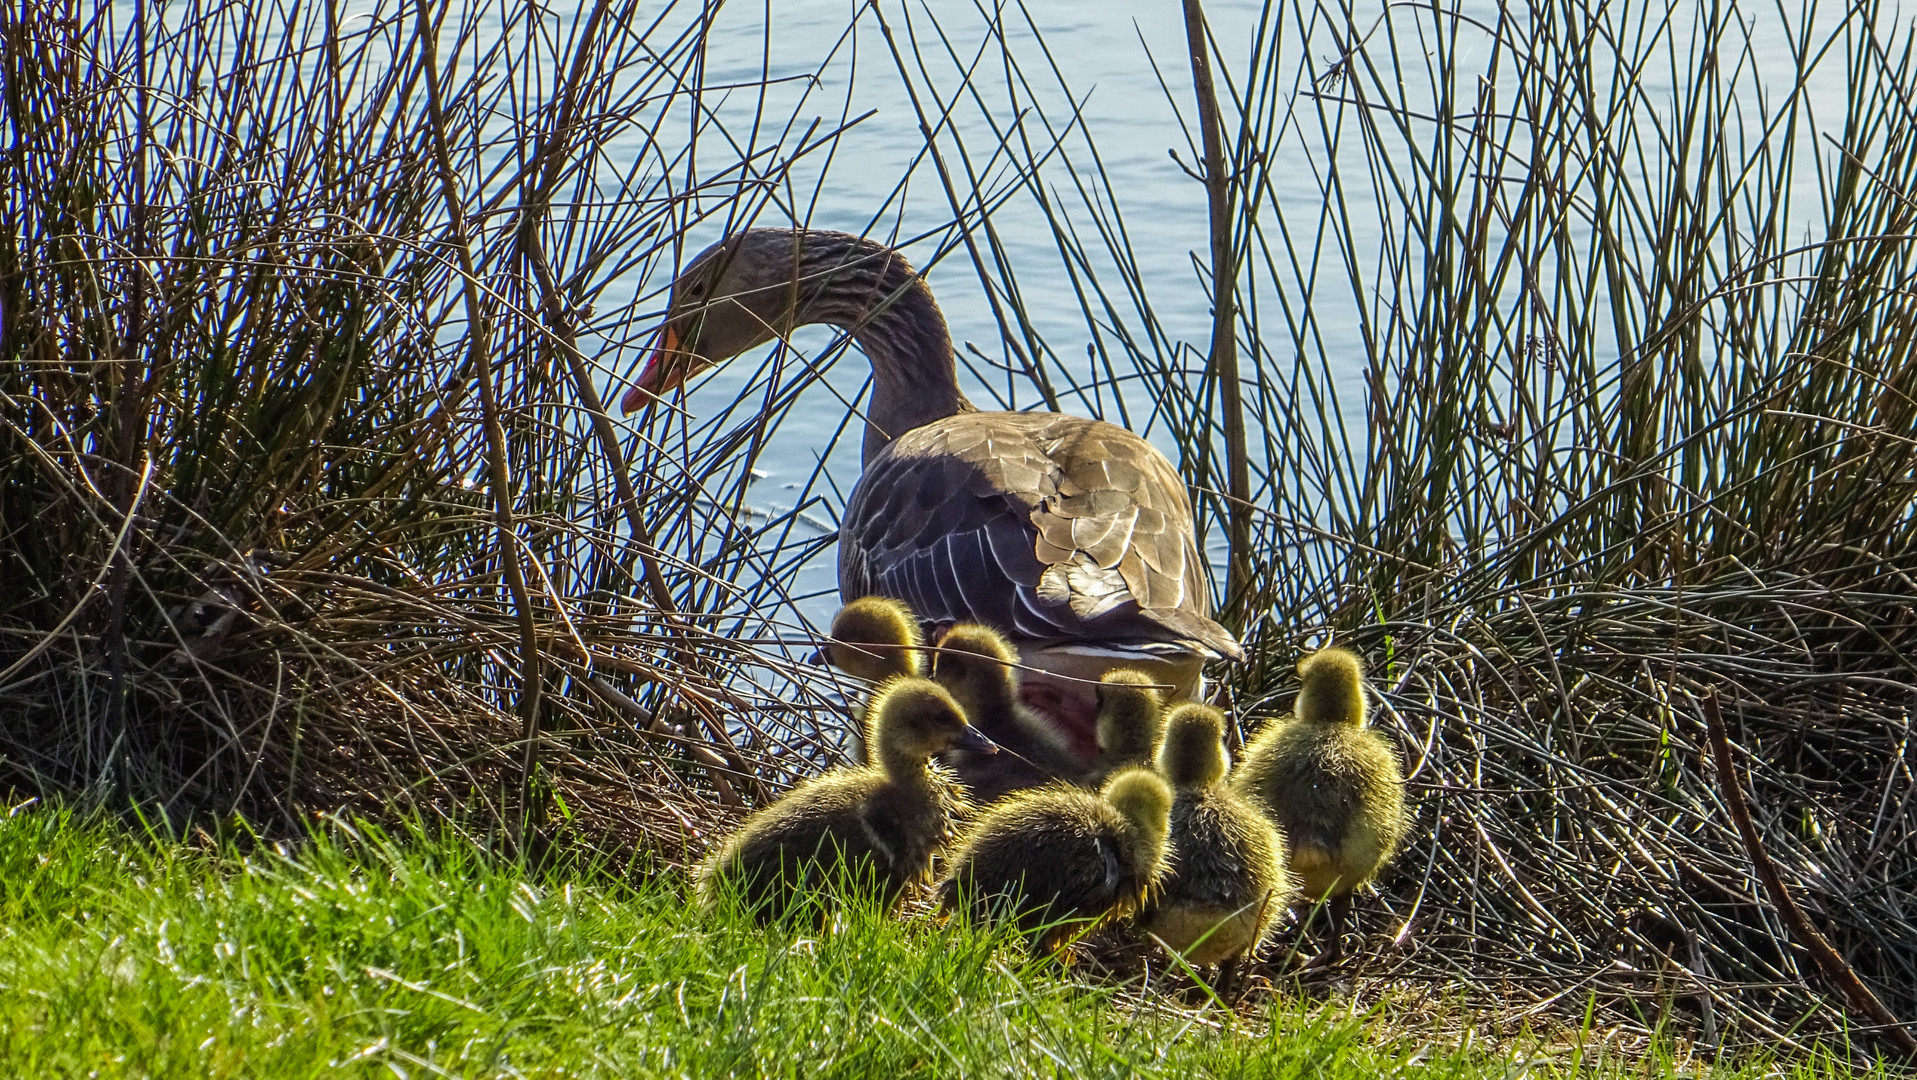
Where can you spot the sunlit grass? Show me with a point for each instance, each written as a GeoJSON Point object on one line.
{"type": "Point", "coordinates": [407, 955]}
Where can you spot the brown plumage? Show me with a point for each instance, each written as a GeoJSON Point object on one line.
{"type": "Point", "coordinates": [876, 638]}
{"type": "Point", "coordinates": [875, 826]}
{"type": "Point", "coordinates": [1333, 785]}
{"type": "Point", "coordinates": [975, 664]}
{"type": "Point", "coordinates": [1059, 859]}
{"type": "Point", "coordinates": [1074, 535]}
{"type": "Point", "coordinates": [1228, 884]}
{"type": "Point", "coordinates": [1130, 723]}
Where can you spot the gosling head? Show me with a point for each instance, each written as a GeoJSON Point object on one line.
{"type": "Point", "coordinates": [1130, 710]}
{"type": "Point", "coordinates": [1333, 690]}
{"type": "Point", "coordinates": [1193, 756]}
{"type": "Point", "coordinates": [915, 718]}
{"type": "Point", "coordinates": [1142, 799]}
{"type": "Point", "coordinates": [975, 663]}
{"type": "Point", "coordinates": [876, 638]}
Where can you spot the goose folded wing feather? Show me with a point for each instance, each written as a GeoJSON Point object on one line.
{"type": "Point", "coordinates": [984, 502]}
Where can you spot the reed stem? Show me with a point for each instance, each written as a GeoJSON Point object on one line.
{"type": "Point", "coordinates": [1222, 366]}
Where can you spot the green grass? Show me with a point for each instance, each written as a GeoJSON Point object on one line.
{"type": "Point", "coordinates": [370, 954]}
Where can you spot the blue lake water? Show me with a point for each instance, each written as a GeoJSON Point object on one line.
{"type": "Point", "coordinates": [1104, 55]}
{"type": "Point", "coordinates": [1109, 60]}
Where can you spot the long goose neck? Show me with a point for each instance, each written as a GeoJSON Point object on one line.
{"type": "Point", "coordinates": [871, 290]}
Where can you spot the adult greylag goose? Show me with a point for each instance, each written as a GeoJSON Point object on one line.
{"type": "Point", "coordinates": [1072, 536]}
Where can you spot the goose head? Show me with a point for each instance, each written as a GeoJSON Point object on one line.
{"type": "Point", "coordinates": [1193, 756]}
{"type": "Point", "coordinates": [733, 296]}
{"type": "Point", "coordinates": [1333, 690]}
{"type": "Point", "coordinates": [975, 663]}
{"type": "Point", "coordinates": [875, 638]}
{"type": "Point", "coordinates": [761, 284]}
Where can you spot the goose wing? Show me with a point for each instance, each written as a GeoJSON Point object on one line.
{"type": "Point", "coordinates": [1054, 528]}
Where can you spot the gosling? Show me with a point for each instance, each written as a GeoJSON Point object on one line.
{"type": "Point", "coordinates": [1059, 860]}
{"type": "Point", "coordinates": [974, 663]}
{"type": "Point", "coordinates": [872, 827]}
{"type": "Point", "coordinates": [876, 638]}
{"type": "Point", "coordinates": [1131, 721]}
{"type": "Point", "coordinates": [1222, 896]}
{"type": "Point", "coordinates": [1333, 785]}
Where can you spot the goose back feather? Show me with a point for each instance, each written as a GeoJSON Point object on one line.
{"type": "Point", "coordinates": [1054, 528]}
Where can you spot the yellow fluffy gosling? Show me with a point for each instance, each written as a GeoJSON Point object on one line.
{"type": "Point", "coordinates": [1131, 721]}
{"type": "Point", "coordinates": [974, 663]}
{"type": "Point", "coordinates": [1059, 859]}
{"type": "Point", "coordinates": [1228, 884]}
{"type": "Point", "coordinates": [872, 826]}
{"type": "Point", "coordinates": [1333, 785]}
{"type": "Point", "coordinates": [876, 638]}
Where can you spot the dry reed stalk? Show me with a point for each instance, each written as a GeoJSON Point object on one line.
{"type": "Point", "coordinates": [1221, 183]}
{"type": "Point", "coordinates": [1829, 961]}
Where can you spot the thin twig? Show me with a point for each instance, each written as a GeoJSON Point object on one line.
{"type": "Point", "coordinates": [531, 815]}
{"type": "Point", "coordinates": [1828, 959]}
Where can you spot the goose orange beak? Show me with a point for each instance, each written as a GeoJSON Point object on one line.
{"type": "Point", "coordinates": [664, 373]}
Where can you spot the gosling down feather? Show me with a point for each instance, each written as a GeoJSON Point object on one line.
{"type": "Point", "coordinates": [1074, 536]}
{"type": "Point", "coordinates": [1131, 720]}
{"type": "Point", "coordinates": [1059, 859]}
{"type": "Point", "coordinates": [875, 826]}
{"type": "Point", "coordinates": [974, 664]}
{"type": "Point", "coordinates": [876, 638]}
{"type": "Point", "coordinates": [1228, 884]}
{"type": "Point", "coordinates": [1333, 785]}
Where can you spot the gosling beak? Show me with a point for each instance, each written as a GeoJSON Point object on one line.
{"type": "Point", "coordinates": [664, 373]}
{"type": "Point", "coordinates": [971, 738]}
